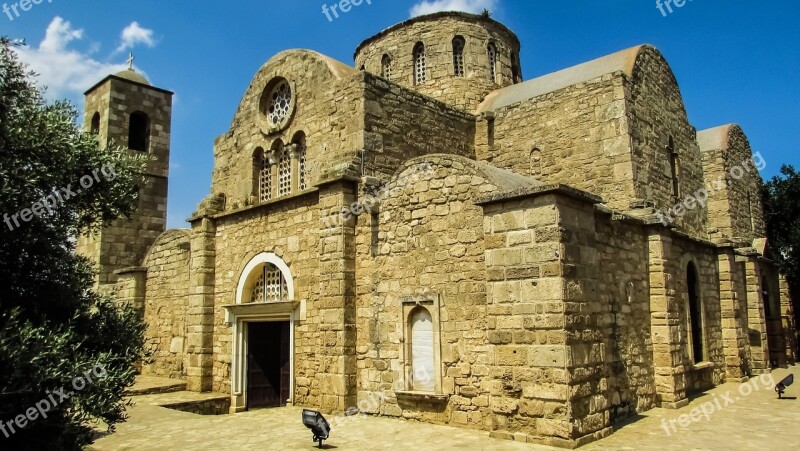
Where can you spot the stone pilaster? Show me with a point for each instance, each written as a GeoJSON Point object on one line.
{"type": "Point", "coordinates": [756, 320]}
{"type": "Point", "coordinates": [337, 300]}
{"type": "Point", "coordinates": [787, 318]}
{"type": "Point", "coordinates": [666, 322]}
{"type": "Point", "coordinates": [200, 312]}
{"type": "Point", "coordinates": [733, 308]}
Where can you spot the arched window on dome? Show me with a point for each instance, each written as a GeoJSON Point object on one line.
{"type": "Point", "coordinates": [386, 67]}
{"type": "Point", "coordinates": [139, 132]}
{"type": "Point", "coordinates": [95, 127]}
{"type": "Point", "coordinates": [491, 51]}
{"type": "Point", "coordinates": [458, 56]}
{"type": "Point", "coordinates": [420, 67]}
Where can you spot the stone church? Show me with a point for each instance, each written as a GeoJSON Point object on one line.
{"type": "Point", "coordinates": [537, 259]}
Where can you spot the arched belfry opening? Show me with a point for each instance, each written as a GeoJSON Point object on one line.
{"type": "Point", "coordinates": [139, 132]}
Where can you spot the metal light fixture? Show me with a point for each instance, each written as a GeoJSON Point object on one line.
{"type": "Point", "coordinates": [318, 424]}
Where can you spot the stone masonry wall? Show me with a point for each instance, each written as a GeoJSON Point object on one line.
{"type": "Point", "coordinates": [429, 243]}
{"type": "Point", "coordinates": [623, 290]}
{"type": "Point", "coordinates": [329, 110]}
{"type": "Point", "coordinates": [401, 124]}
{"type": "Point", "coordinates": [657, 113]}
{"type": "Point", "coordinates": [165, 304]}
{"type": "Point", "coordinates": [576, 136]}
{"type": "Point", "coordinates": [735, 210]}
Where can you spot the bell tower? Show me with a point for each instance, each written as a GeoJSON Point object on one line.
{"type": "Point", "coordinates": [126, 110]}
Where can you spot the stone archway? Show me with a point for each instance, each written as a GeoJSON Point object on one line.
{"type": "Point", "coordinates": [252, 323]}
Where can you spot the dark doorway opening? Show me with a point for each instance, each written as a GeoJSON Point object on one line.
{"type": "Point", "coordinates": [695, 313]}
{"type": "Point", "coordinates": [268, 364]}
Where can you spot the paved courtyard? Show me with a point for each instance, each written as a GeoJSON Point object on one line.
{"type": "Point", "coordinates": [738, 421]}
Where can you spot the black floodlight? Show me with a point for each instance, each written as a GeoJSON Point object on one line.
{"type": "Point", "coordinates": [318, 424]}
{"type": "Point", "coordinates": [781, 386]}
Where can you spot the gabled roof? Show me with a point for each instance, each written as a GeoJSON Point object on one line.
{"type": "Point", "coordinates": [623, 61]}
{"type": "Point", "coordinates": [714, 138]}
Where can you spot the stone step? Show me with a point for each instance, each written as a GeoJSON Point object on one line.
{"type": "Point", "coordinates": [148, 385]}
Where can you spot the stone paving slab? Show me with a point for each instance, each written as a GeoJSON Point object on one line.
{"type": "Point", "coordinates": [758, 421]}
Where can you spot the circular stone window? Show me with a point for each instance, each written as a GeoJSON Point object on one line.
{"type": "Point", "coordinates": [277, 105]}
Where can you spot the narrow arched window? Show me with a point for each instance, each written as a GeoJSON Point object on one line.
{"type": "Point", "coordinates": [674, 167]}
{"type": "Point", "coordinates": [270, 286]}
{"type": "Point", "coordinates": [386, 67]}
{"type": "Point", "coordinates": [458, 56]}
{"type": "Point", "coordinates": [284, 171]}
{"type": "Point", "coordinates": [492, 53]}
{"type": "Point", "coordinates": [263, 175]}
{"type": "Point", "coordinates": [423, 369]}
{"type": "Point", "coordinates": [139, 132]}
{"type": "Point", "coordinates": [536, 162]}
{"type": "Point", "coordinates": [302, 177]}
{"type": "Point", "coordinates": [420, 67]}
{"type": "Point", "coordinates": [95, 127]}
{"type": "Point", "coordinates": [765, 295]}
{"type": "Point", "coordinates": [695, 314]}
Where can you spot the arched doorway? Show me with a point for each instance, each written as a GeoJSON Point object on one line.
{"type": "Point", "coordinates": [695, 314]}
{"type": "Point", "coordinates": [262, 323]}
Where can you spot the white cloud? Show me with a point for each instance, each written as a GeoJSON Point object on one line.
{"type": "Point", "coordinates": [65, 71]}
{"type": "Point", "coordinates": [434, 6]}
{"type": "Point", "coordinates": [134, 34]}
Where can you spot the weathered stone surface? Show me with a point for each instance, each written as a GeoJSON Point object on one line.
{"type": "Point", "coordinates": [517, 222]}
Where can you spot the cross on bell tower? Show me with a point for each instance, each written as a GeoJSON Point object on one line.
{"type": "Point", "coordinates": [130, 61]}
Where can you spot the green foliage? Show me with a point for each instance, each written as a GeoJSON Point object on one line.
{"type": "Point", "coordinates": [53, 326]}
{"type": "Point", "coordinates": [781, 197]}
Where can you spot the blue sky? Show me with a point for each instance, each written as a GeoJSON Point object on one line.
{"type": "Point", "coordinates": [736, 60]}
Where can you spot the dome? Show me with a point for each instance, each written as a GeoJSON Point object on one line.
{"type": "Point", "coordinates": [132, 75]}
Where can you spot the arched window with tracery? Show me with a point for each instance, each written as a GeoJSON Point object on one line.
{"type": "Point", "coordinates": [458, 56]}
{"type": "Point", "coordinates": [284, 171]}
{"type": "Point", "coordinates": [299, 140]}
{"type": "Point", "coordinates": [270, 286]}
{"type": "Point", "coordinates": [491, 51]}
{"type": "Point", "coordinates": [262, 172]}
{"type": "Point", "coordinates": [420, 65]}
{"type": "Point", "coordinates": [386, 67]}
